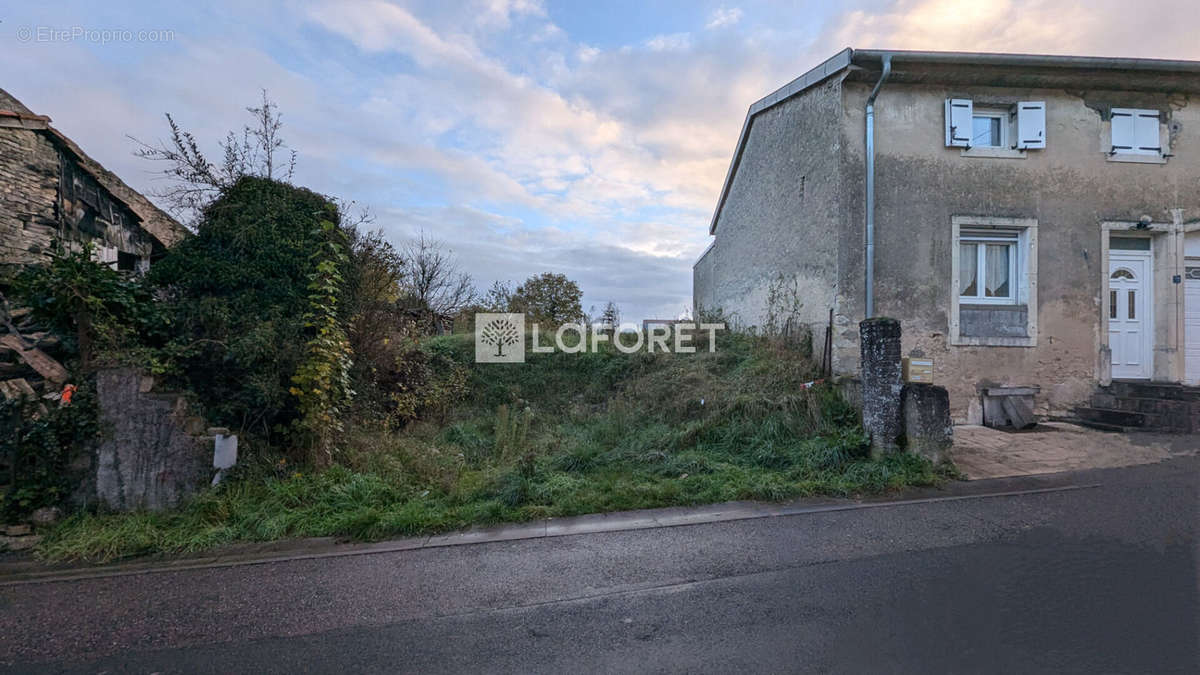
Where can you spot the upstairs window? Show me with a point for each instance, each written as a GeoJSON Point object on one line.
{"type": "Point", "coordinates": [989, 129]}
{"type": "Point", "coordinates": [1136, 132]}
{"type": "Point", "coordinates": [1017, 126]}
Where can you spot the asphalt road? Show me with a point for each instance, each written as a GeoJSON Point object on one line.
{"type": "Point", "coordinates": [1103, 579]}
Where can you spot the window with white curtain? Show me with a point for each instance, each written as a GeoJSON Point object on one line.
{"type": "Point", "coordinates": [987, 267]}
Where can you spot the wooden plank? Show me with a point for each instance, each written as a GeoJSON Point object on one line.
{"type": "Point", "coordinates": [37, 359]}
{"type": "Point", "coordinates": [16, 390]}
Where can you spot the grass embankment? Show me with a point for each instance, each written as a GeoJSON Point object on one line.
{"type": "Point", "coordinates": [560, 435]}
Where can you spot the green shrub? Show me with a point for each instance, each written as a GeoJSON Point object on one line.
{"type": "Point", "coordinates": [239, 294]}
{"type": "Point", "coordinates": [100, 314]}
{"type": "Point", "coordinates": [40, 443]}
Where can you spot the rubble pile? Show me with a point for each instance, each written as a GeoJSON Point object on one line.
{"type": "Point", "coordinates": [29, 360]}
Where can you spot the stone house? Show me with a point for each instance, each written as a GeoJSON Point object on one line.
{"type": "Point", "coordinates": [1035, 222]}
{"type": "Point", "coordinates": [51, 192]}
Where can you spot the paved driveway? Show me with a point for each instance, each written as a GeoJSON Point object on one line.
{"type": "Point", "coordinates": [982, 452]}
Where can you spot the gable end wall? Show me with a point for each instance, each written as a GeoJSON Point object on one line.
{"type": "Point", "coordinates": [775, 249]}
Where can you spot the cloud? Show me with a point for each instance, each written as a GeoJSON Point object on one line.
{"type": "Point", "coordinates": [1095, 27]}
{"type": "Point", "coordinates": [672, 42]}
{"type": "Point", "coordinates": [587, 53]}
{"type": "Point", "coordinates": [490, 125]}
{"type": "Point", "coordinates": [723, 17]}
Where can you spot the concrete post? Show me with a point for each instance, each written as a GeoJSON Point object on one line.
{"type": "Point", "coordinates": [881, 385]}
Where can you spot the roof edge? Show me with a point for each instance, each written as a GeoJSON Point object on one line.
{"type": "Point", "coordinates": [868, 57]}
{"type": "Point", "coordinates": [873, 56]}
{"type": "Point", "coordinates": [159, 224]}
{"type": "Point", "coordinates": [831, 66]}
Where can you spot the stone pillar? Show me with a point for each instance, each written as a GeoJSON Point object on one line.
{"type": "Point", "coordinates": [881, 385]}
{"type": "Point", "coordinates": [928, 431]}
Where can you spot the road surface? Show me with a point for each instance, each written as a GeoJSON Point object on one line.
{"type": "Point", "coordinates": [1096, 579]}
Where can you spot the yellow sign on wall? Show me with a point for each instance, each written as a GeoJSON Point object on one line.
{"type": "Point", "coordinates": [918, 370]}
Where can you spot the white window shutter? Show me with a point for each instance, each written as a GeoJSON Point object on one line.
{"type": "Point", "coordinates": [1146, 133]}
{"type": "Point", "coordinates": [1124, 136]}
{"type": "Point", "coordinates": [958, 122]}
{"type": "Point", "coordinates": [1031, 124]}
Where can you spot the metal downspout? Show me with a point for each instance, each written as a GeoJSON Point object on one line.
{"type": "Point", "coordinates": [870, 263]}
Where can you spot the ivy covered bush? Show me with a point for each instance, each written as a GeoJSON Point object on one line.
{"type": "Point", "coordinates": [239, 296]}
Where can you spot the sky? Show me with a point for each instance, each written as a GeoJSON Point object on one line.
{"type": "Point", "coordinates": [588, 138]}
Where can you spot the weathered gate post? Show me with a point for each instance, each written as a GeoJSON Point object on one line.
{"type": "Point", "coordinates": [881, 383]}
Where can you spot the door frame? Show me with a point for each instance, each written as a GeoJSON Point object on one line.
{"type": "Point", "coordinates": [1166, 246]}
{"type": "Point", "coordinates": [1146, 316]}
{"type": "Point", "coordinates": [1188, 263]}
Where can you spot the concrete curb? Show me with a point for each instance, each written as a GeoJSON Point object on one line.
{"type": "Point", "coordinates": [32, 572]}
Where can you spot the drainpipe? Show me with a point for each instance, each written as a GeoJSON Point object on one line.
{"type": "Point", "coordinates": [887, 70]}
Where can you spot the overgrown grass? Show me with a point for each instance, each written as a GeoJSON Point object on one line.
{"type": "Point", "coordinates": [560, 435]}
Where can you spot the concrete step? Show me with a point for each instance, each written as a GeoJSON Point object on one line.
{"type": "Point", "coordinates": [1158, 390]}
{"type": "Point", "coordinates": [1155, 406]}
{"type": "Point", "coordinates": [1111, 416]}
{"type": "Point", "coordinates": [1099, 426]}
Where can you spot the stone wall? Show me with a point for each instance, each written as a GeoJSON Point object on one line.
{"type": "Point", "coordinates": [46, 196]}
{"type": "Point", "coordinates": [704, 282]}
{"type": "Point", "coordinates": [777, 226]}
{"type": "Point", "coordinates": [29, 177]}
{"type": "Point", "coordinates": [153, 453]}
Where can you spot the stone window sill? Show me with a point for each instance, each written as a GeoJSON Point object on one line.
{"type": "Point", "coordinates": [963, 341]}
{"type": "Point", "coordinates": [993, 306]}
{"type": "Point", "coordinates": [994, 153]}
{"type": "Point", "coordinates": [1137, 159]}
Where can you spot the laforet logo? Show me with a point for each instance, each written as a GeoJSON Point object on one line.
{"type": "Point", "coordinates": [500, 338]}
{"type": "Point", "coordinates": [500, 333]}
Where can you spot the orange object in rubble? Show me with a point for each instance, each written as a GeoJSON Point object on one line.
{"type": "Point", "coordinates": [67, 392]}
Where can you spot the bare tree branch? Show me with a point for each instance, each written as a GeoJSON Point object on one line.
{"type": "Point", "coordinates": [433, 279]}
{"type": "Point", "coordinates": [194, 181]}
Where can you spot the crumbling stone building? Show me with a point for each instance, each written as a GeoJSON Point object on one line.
{"type": "Point", "coordinates": [52, 193]}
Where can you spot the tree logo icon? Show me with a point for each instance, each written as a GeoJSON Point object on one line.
{"type": "Point", "coordinates": [500, 334]}
{"type": "Point", "coordinates": [499, 338]}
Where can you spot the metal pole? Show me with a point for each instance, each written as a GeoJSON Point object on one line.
{"type": "Point", "coordinates": [870, 262]}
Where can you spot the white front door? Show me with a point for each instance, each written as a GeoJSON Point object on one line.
{"type": "Point", "coordinates": [1191, 321]}
{"type": "Point", "coordinates": [1130, 330]}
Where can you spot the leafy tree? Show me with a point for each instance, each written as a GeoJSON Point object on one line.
{"type": "Point", "coordinates": [239, 291]}
{"type": "Point", "coordinates": [548, 298]}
